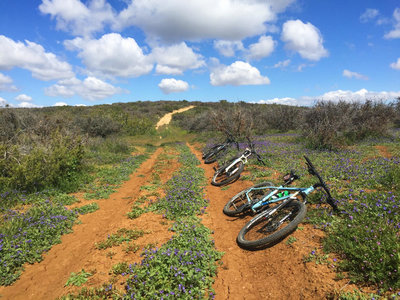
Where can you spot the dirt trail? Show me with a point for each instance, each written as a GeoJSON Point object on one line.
{"type": "Point", "coordinates": [166, 119]}
{"type": "Point", "coordinates": [46, 280]}
{"type": "Point", "coordinates": [383, 151]}
{"type": "Point", "coordinates": [274, 273]}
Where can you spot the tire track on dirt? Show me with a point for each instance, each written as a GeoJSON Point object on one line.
{"type": "Point", "coordinates": [46, 280]}
{"type": "Point", "coordinates": [273, 273]}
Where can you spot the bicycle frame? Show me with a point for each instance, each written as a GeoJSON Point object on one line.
{"type": "Point", "coordinates": [266, 200]}
{"type": "Point", "coordinates": [243, 158]}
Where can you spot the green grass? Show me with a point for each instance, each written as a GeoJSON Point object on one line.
{"type": "Point", "coordinates": [135, 212]}
{"type": "Point", "coordinates": [121, 236]}
{"type": "Point", "coordinates": [86, 209]}
{"type": "Point", "coordinates": [77, 279]}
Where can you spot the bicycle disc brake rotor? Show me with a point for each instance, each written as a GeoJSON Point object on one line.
{"type": "Point", "coordinates": [276, 221]}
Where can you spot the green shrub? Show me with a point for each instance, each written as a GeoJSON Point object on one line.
{"type": "Point", "coordinates": [98, 126]}
{"type": "Point", "coordinates": [139, 126]}
{"type": "Point", "coordinates": [55, 166]}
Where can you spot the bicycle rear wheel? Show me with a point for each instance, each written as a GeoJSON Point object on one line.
{"type": "Point", "coordinates": [207, 152]}
{"type": "Point", "coordinates": [222, 176]}
{"type": "Point", "coordinates": [267, 228]}
{"type": "Point", "coordinates": [240, 204]}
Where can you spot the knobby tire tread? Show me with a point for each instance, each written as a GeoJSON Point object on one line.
{"type": "Point", "coordinates": [277, 235]}
{"type": "Point", "coordinates": [228, 179]}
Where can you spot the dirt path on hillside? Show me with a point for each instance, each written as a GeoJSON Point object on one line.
{"type": "Point", "coordinates": [166, 119]}
{"type": "Point", "coordinates": [46, 280]}
{"type": "Point", "coordinates": [383, 151]}
{"type": "Point", "coordinates": [274, 273]}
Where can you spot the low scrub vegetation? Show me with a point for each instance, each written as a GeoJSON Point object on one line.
{"type": "Point", "coordinates": [326, 125]}
{"type": "Point", "coordinates": [329, 125]}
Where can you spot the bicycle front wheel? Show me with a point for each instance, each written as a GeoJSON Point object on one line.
{"type": "Point", "coordinates": [222, 176]}
{"type": "Point", "coordinates": [240, 204]}
{"type": "Point", "coordinates": [267, 228]}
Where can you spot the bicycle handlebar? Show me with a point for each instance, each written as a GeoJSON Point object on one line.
{"type": "Point", "coordinates": [313, 171]}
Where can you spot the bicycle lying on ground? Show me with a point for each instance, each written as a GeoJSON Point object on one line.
{"type": "Point", "coordinates": [219, 150]}
{"type": "Point", "coordinates": [281, 209]}
{"type": "Point", "coordinates": [230, 171]}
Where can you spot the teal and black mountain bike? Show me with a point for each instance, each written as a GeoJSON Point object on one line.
{"type": "Point", "coordinates": [279, 209]}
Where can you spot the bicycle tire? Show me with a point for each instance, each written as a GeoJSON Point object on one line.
{"type": "Point", "coordinates": [209, 152]}
{"type": "Point", "coordinates": [270, 234]}
{"type": "Point", "coordinates": [232, 208]}
{"type": "Point", "coordinates": [221, 177]}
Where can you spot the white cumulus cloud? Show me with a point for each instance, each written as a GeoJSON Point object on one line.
{"type": "Point", "coordinates": [360, 95]}
{"type": "Point", "coordinates": [238, 73]}
{"type": "Point", "coordinates": [228, 48]}
{"type": "Point", "coordinates": [60, 104]}
{"type": "Point", "coordinates": [112, 55]}
{"type": "Point", "coordinates": [6, 83]}
{"type": "Point", "coordinates": [395, 32]}
{"type": "Point", "coordinates": [174, 20]}
{"type": "Point", "coordinates": [90, 88]}
{"type": "Point", "coordinates": [350, 74]}
{"type": "Point", "coordinates": [171, 85]}
{"type": "Point", "coordinates": [75, 17]}
{"type": "Point", "coordinates": [263, 48]}
{"type": "Point", "coordinates": [336, 96]}
{"type": "Point", "coordinates": [170, 20]}
{"type": "Point", "coordinates": [31, 56]}
{"type": "Point", "coordinates": [303, 38]}
{"type": "Point", "coordinates": [27, 105]}
{"type": "Point", "coordinates": [285, 101]}
{"type": "Point", "coordinates": [396, 65]}
{"type": "Point", "coordinates": [175, 59]}
{"type": "Point", "coordinates": [23, 98]}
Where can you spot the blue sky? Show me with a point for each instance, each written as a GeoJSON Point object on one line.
{"type": "Point", "coordinates": [77, 52]}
